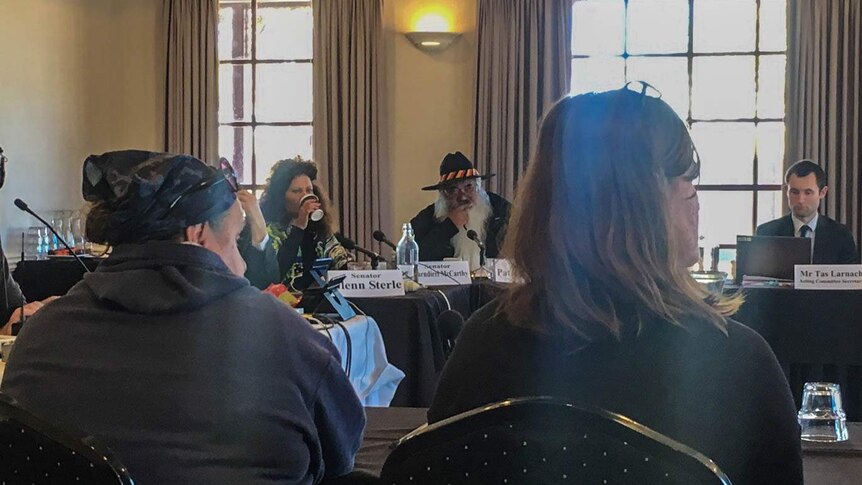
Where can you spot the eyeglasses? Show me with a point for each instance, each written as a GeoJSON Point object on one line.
{"type": "Point", "coordinates": [226, 174]}
{"type": "Point", "coordinates": [464, 188]}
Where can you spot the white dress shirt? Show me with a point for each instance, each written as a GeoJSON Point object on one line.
{"type": "Point", "coordinates": [797, 225]}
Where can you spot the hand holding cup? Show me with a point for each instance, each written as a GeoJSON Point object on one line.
{"type": "Point", "coordinates": [309, 209]}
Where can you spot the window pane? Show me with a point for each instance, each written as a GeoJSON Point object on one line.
{"type": "Point", "coordinates": [723, 87]}
{"type": "Point", "coordinates": [769, 205]}
{"type": "Point", "coordinates": [234, 144]}
{"type": "Point", "coordinates": [234, 103]}
{"type": "Point", "coordinates": [657, 26]}
{"type": "Point", "coordinates": [723, 216]}
{"type": "Point", "coordinates": [598, 27]}
{"type": "Point", "coordinates": [668, 74]}
{"type": "Point", "coordinates": [724, 25]}
{"type": "Point", "coordinates": [234, 30]}
{"type": "Point", "coordinates": [284, 32]}
{"type": "Point", "coordinates": [274, 143]}
{"type": "Point", "coordinates": [770, 81]}
{"type": "Point", "coordinates": [773, 26]}
{"type": "Point", "coordinates": [597, 74]}
{"type": "Point", "coordinates": [284, 92]}
{"type": "Point", "coordinates": [770, 153]}
{"type": "Point", "coordinates": [726, 152]}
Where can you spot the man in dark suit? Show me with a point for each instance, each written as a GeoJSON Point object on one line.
{"type": "Point", "coordinates": [805, 183]}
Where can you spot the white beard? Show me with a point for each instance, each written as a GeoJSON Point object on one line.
{"type": "Point", "coordinates": [465, 248]}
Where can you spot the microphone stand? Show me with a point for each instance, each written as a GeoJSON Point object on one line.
{"type": "Point", "coordinates": [479, 273]}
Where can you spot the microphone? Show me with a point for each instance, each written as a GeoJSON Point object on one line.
{"type": "Point", "coordinates": [480, 272]}
{"type": "Point", "coordinates": [350, 245]}
{"type": "Point", "coordinates": [381, 238]}
{"type": "Point", "coordinates": [449, 324]}
{"type": "Point", "coordinates": [24, 207]}
{"type": "Point", "coordinates": [475, 237]}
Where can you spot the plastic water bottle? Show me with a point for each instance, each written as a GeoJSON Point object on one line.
{"type": "Point", "coordinates": [407, 253]}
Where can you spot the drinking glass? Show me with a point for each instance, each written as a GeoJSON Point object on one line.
{"type": "Point", "coordinates": [358, 265]}
{"type": "Point", "coordinates": [32, 243]}
{"type": "Point", "coordinates": [67, 233]}
{"type": "Point", "coordinates": [57, 222]}
{"type": "Point", "coordinates": [821, 417]}
{"type": "Point", "coordinates": [44, 242]}
{"type": "Point", "coordinates": [77, 223]}
{"type": "Point", "coordinates": [711, 281]}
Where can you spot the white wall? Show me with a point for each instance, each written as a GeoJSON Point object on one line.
{"type": "Point", "coordinates": [76, 77]}
{"type": "Point", "coordinates": [86, 76]}
{"type": "Point", "coordinates": [430, 104]}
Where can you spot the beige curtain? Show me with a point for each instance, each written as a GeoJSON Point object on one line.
{"type": "Point", "coordinates": [191, 81]}
{"type": "Point", "coordinates": [349, 121]}
{"type": "Point", "coordinates": [824, 99]}
{"type": "Point", "coordinates": [524, 67]}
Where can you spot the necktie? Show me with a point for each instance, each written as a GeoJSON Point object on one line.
{"type": "Point", "coordinates": [804, 230]}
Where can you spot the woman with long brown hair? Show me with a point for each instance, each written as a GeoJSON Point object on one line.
{"type": "Point", "coordinates": [300, 225]}
{"type": "Point", "coordinates": [603, 232]}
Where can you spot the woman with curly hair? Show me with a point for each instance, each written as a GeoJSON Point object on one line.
{"type": "Point", "coordinates": [286, 235]}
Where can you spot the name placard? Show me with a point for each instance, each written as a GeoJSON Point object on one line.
{"type": "Point", "coordinates": [502, 270]}
{"type": "Point", "coordinates": [370, 283]}
{"type": "Point", "coordinates": [828, 277]}
{"type": "Point", "coordinates": [444, 273]}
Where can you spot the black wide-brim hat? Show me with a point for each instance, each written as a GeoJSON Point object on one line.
{"type": "Point", "coordinates": [454, 168]}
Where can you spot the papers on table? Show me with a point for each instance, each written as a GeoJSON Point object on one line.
{"type": "Point", "coordinates": [765, 282]}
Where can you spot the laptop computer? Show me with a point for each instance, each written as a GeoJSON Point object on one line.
{"type": "Point", "coordinates": [770, 256]}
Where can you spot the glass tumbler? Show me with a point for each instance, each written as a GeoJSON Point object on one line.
{"type": "Point", "coordinates": [822, 417]}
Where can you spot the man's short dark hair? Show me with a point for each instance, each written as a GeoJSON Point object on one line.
{"type": "Point", "coordinates": [804, 167]}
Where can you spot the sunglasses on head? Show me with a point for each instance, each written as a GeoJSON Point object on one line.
{"type": "Point", "coordinates": [225, 174]}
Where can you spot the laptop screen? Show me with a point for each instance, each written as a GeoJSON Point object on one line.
{"type": "Point", "coordinates": [770, 256]}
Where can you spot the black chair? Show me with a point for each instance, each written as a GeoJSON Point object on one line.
{"type": "Point", "coordinates": [449, 325]}
{"type": "Point", "coordinates": [542, 440]}
{"type": "Point", "coordinates": [33, 451]}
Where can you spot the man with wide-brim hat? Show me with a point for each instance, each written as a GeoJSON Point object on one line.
{"type": "Point", "coordinates": [462, 205]}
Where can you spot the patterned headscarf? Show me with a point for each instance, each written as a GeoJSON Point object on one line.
{"type": "Point", "coordinates": [153, 196]}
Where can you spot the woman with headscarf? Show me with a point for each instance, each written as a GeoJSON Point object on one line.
{"type": "Point", "coordinates": [300, 224]}
{"type": "Point", "coordinates": [607, 314]}
{"type": "Point", "coordinates": [166, 353]}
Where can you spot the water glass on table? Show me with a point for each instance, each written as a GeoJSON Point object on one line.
{"type": "Point", "coordinates": [358, 265]}
{"type": "Point", "coordinates": [822, 416]}
{"type": "Point", "coordinates": [32, 243]}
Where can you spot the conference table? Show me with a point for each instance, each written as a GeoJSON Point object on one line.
{"type": "Point", "coordinates": [363, 357]}
{"type": "Point", "coordinates": [816, 335]}
{"type": "Point", "coordinates": [408, 324]}
{"type": "Point", "coordinates": [824, 463]}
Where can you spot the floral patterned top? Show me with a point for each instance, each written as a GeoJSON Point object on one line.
{"type": "Point", "coordinates": [280, 235]}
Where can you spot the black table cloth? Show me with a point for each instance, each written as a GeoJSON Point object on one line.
{"type": "Point", "coordinates": [407, 323]}
{"type": "Point", "coordinates": [40, 279]}
{"type": "Point", "coordinates": [413, 342]}
{"type": "Point", "coordinates": [816, 335]}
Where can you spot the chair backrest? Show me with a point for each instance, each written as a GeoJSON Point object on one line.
{"type": "Point", "coordinates": [542, 440]}
{"type": "Point", "coordinates": [35, 451]}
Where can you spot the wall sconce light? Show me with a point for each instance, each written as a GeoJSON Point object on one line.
{"type": "Point", "coordinates": [432, 41]}
{"type": "Point", "coordinates": [432, 30]}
